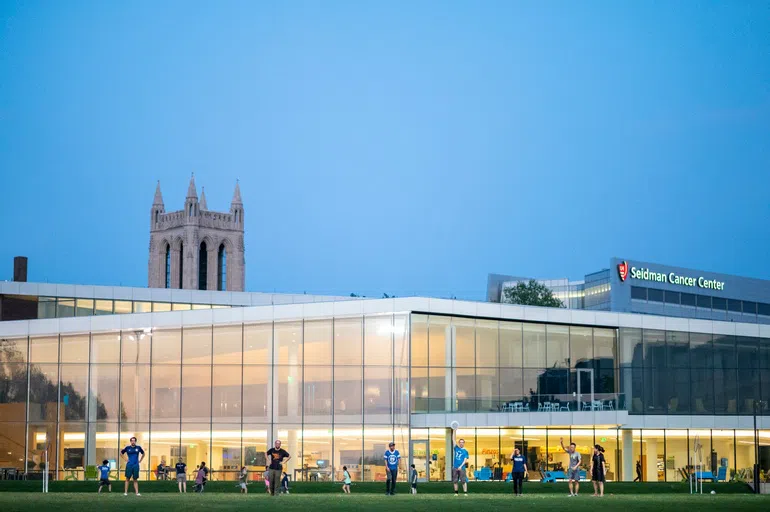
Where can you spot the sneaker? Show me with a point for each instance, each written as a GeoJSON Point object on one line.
{"type": "Point", "coordinates": [465, 494]}
{"type": "Point", "coordinates": [125, 494]}
{"type": "Point", "coordinates": [138, 494]}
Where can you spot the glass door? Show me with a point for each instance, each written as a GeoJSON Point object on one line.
{"type": "Point", "coordinates": [420, 459]}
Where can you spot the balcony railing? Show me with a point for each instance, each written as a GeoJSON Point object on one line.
{"type": "Point", "coordinates": [522, 404]}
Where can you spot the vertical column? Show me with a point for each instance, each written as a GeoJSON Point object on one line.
{"type": "Point", "coordinates": [449, 455]}
{"type": "Point", "coordinates": [650, 446]}
{"type": "Point", "coordinates": [628, 455]}
{"type": "Point", "coordinates": [91, 427]}
{"type": "Point", "coordinates": [449, 377]}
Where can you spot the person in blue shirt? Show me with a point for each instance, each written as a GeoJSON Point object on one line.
{"type": "Point", "coordinates": [392, 458]}
{"type": "Point", "coordinates": [181, 475]}
{"type": "Point", "coordinates": [133, 455]}
{"type": "Point", "coordinates": [104, 475]}
{"type": "Point", "coordinates": [459, 463]}
{"type": "Point", "coordinates": [519, 471]}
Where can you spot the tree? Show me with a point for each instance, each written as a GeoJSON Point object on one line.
{"type": "Point", "coordinates": [531, 293]}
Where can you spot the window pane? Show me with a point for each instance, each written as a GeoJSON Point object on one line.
{"type": "Point", "coordinates": [180, 307]}
{"type": "Point", "coordinates": [13, 350]}
{"type": "Point", "coordinates": [557, 349]}
{"type": "Point", "coordinates": [679, 394]}
{"type": "Point", "coordinates": [718, 303]}
{"type": "Point", "coordinates": [256, 393]}
{"type": "Point", "coordinates": [165, 441]}
{"type": "Point", "coordinates": [13, 455]}
{"type": "Point", "coordinates": [318, 394]}
{"type": "Point", "coordinates": [142, 433]}
{"type": "Point", "coordinates": [46, 307]}
{"type": "Point", "coordinates": [85, 307]}
{"type": "Point", "coordinates": [376, 441]}
{"type": "Point", "coordinates": [72, 453]}
{"type": "Point", "coordinates": [400, 340]}
{"type": "Point", "coordinates": [734, 305]}
{"type": "Point", "coordinates": [74, 349]}
{"type": "Point", "coordinates": [688, 299]}
{"type": "Point", "coordinates": [672, 297]}
{"type": "Point", "coordinates": [725, 399]}
{"type": "Point", "coordinates": [287, 397]}
{"type": "Point", "coordinates": [228, 344]}
{"type": "Point", "coordinates": [165, 393]}
{"type": "Point", "coordinates": [102, 307]}
{"type": "Point", "coordinates": [487, 391]}
{"type": "Point", "coordinates": [440, 389]}
{"type": "Point", "coordinates": [677, 452]}
{"type": "Point", "coordinates": [65, 308]}
{"type": "Point", "coordinates": [226, 451]}
{"type": "Point", "coordinates": [419, 340]}
{"type": "Point", "coordinates": [763, 309]}
{"type": "Point", "coordinates": [465, 389]}
{"type": "Point", "coordinates": [678, 349]}
{"type": "Point", "coordinates": [258, 344]}
{"type": "Point", "coordinates": [581, 347]}
{"type": "Point", "coordinates": [142, 307]}
{"type": "Point", "coordinates": [654, 348]}
{"type": "Point", "coordinates": [701, 350]}
{"type": "Point", "coordinates": [44, 350]}
{"type": "Point", "coordinates": [13, 394]}
{"type": "Point", "coordinates": [288, 342]}
{"type": "Point", "coordinates": [377, 394]}
{"type": "Point", "coordinates": [135, 393]}
{"type": "Point", "coordinates": [605, 348]}
{"type": "Point", "coordinates": [166, 347]}
{"type": "Point", "coordinates": [348, 444]}
{"type": "Point", "coordinates": [510, 384]}
{"type": "Point", "coordinates": [748, 352]}
{"type": "Point", "coordinates": [704, 301]}
{"type": "Point", "coordinates": [254, 440]}
{"type": "Point", "coordinates": [724, 351]}
{"type": "Point", "coordinates": [702, 389]}
{"type": "Point", "coordinates": [160, 307]}
{"type": "Point", "coordinates": [317, 452]}
{"type": "Point", "coordinates": [196, 345]}
{"type": "Point", "coordinates": [348, 342]}
{"type": "Point", "coordinates": [347, 394]}
{"type": "Point", "coordinates": [438, 338]}
{"type": "Point", "coordinates": [318, 342]}
{"type": "Point", "coordinates": [637, 292]}
{"type": "Point", "coordinates": [486, 343]}
{"type": "Point", "coordinates": [105, 347]}
{"type": "Point", "coordinates": [196, 392]}
{"type": "Point", "coordinates": [750, 308]}
{"type": "Point", "coordinates": [122, 307]}
{"type": "Point", "coordinates": [534, 345]}
{"type": "Point", "coordinates": [631, 348]}
{"type": "Point", "coordinates": [654, 295]}
{"type": "Point", "coordinates": [764, 352]}
{"type": "Point", "coordinates": [655, 391]}
{"type": "Point", "coordinates": [465, 350]}
{"type": "Point", "coordinates": [377, 340]}
{"type": "Point", "coordinates": [105, 381]}
{"type": "Point", "coordinates": [73, 391]}
{"type": "Point", "coordinates": [419, 390]}
{"type": "Point", "coordinates": [135, 346]}
{"type": "Point", "coordinates": [510, 344]}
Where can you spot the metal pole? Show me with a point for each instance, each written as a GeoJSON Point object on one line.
{"type": "Point", "coordinates": [756, 452]}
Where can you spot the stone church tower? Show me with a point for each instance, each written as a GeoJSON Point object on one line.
{"type": "Point", "coordinates": [194, 248]}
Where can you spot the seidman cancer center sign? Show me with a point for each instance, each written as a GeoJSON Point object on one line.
{"type": "Point", "coordinates": [646, 274]}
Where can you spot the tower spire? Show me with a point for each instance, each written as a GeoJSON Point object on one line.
{"type": "Point", "coordinates": [203, 199]}
{"type": "Point", "coordinates": [237, 195]}
{"type": "Point", "coordinates": [191, 192]}
{"type": "Point", "coordinates": [158, 200]}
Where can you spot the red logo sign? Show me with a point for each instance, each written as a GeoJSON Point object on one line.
{"type": "Point", "coordinates": [623, 270]}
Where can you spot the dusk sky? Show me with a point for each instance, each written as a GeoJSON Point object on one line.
{"type": "Point", "coordinates": [407, 148]}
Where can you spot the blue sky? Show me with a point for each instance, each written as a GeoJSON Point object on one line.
{"type": "Point", "coordinates": [397, 147]}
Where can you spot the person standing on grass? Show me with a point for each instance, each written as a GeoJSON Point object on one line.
{"type": "Point", "coordinates": [519, 471]}
{"type": "Point", "coordinates": [345, 480]}
{"type": "Point", "coordinates": [276, 456]}
{"type": "Point", "coordinates": [459, 464]}
{"type": "Point", "coordinates": [392, 458]}
{"type": "Point", "coordinates": [181, 475]}
{"type": "Point", "coordinates": [285, 483]}
{"type": "Point", "coordinates": [413, 479]}
{"type": "Point", "coordinates": [243, 479]}
{"type": "Point", "coordinates": [573, 472]}
{"type": "Point", "coordinates": [133, 455]}
{"type": "Point", "coordinates": [104, 475]}
{"type": "Point", "coordinates": [598, 470]}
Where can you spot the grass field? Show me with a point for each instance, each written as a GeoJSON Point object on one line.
{"type": "Point", "coordinates": [65, 502]}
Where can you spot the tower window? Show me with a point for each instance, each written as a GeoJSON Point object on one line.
{"type": "Point", "coordinates": [191, 210]}
{"type": "Point", "coordinates": [181, 264]}
{"type": "Point", "coordinates": [202, 266]}
{"type": "Point", "coordinates": [168, 266]}
{"type": "Point", "coordinates": [156, 216]}
{"type": "Point", "coordinates": [222, 268]}
{"type": "Point", "coordinates": [236, 216]}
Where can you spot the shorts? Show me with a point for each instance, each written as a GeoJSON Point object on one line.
{"type": "Point", "coordinates": [132, 471]}
{"type": "Point", "coordinates": [597, 475]}
{"type": "Point", "coordinates": [181, 477]}
{"type": "Point", "coordinates": [243, 485]}
{"type": "Point", "coordinates": [104, 482]}
{"type": "Point", "coordinates": [574, 475]}
{"type": "Point", "coordinates": [414, 486]}
{"type": "Point", "coordinates": [459, 476]}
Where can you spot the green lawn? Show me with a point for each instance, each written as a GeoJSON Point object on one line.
{"type": "Point", "coordinates": [63, 502]}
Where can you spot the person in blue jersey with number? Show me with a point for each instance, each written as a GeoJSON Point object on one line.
{"type": "Point", "coordinates": [459, 463]}
{"type": "Point", "coordinates": [104, 475]}
{"type": "Point", "coordinates": [519, 471]}
{"type": "Point", "coordinates": [133, 455]}
{"type": "Point", "coordinates": [392, 458]}
{"type": "Point", "coordinates": [181, 475]}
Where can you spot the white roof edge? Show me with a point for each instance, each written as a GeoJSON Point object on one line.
{"type": "Point", "coordinates": [289, 312]}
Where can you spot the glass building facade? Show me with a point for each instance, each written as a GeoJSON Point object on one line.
{"type": "Point", "coordinates": [337, 381]}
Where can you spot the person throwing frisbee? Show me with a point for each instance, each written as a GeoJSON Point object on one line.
{"type": "Point", "coordinates": [573, 472]}
{"type": "Point", "coordinates": [459, 461]}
